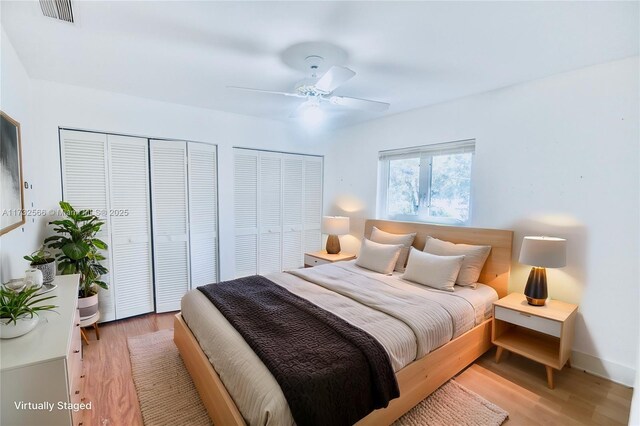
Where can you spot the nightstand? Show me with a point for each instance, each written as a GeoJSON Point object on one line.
{"type": "Point", "coordinates": [321, 257]}
{"type": "Point", "coordinates": [541, 333]}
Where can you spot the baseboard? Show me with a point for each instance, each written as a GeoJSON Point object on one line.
{"type": "Point", "coordinates": [602, 368]}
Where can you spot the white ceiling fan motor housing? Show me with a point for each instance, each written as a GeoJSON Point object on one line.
{"type": "Point", "coordinates": [306, 86]}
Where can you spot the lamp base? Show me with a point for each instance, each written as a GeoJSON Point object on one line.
{"type": "Point", "coordinates": [536, 288]}
{"type": "Point", "coordinates": [333, 244]}
{"type": "Point", "coordinates": [536, 302]}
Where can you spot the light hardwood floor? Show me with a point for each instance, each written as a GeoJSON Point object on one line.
{"type": "Point", "coordinates": [516, 384]}
{"type": "Point", "coordinates": [107, 369]}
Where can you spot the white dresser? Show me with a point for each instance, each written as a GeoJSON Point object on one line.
{"type": "Point", "coordinates": [43, 368]}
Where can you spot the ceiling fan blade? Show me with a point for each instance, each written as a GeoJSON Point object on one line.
{"type": "Point", "coordinates": [336, 76]}
{"type": "Point", "coordinates": [357, 103]}
{"type": "Point", "coordinates": [272, 92]}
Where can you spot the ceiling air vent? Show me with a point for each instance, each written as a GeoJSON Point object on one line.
{"type": "Point", "coordinates": [57, 9]}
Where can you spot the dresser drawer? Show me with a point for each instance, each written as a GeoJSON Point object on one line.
{"type": "Point", "coordinates": [77, 417]}
{"type": "Point", "coordinates": [532, 322]}
{"type": "Point", "coordinates": [76, 399]}
{"type": "Point", "coordinates": [74, 360]}
{"type": "Point", "coordinates": [314, 261]}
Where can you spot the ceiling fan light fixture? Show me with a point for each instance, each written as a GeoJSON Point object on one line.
{"type": "Point", "coordinates": [311, 113]}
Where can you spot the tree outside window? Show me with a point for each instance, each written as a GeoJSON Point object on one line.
{"type": "Point", "coordinates": [430, 183]}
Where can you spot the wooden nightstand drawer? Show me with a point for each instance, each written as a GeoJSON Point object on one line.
{"type": "Point", "coordinates": [314, 261]}
{"type": "Point", "coordinates": [532, 322]}
{"type": "Point", "coordinates": [322, 258]}
{"type": "Point", "coordinates": [541, 333]}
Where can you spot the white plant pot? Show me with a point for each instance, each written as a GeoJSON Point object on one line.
{"type": "Point", "coordinates": [34, 277]}
{"type": "Point", "coordinates": [88, 306]}
{"type": "Point", "coordinates": [23, 325]}
{"type": "Point", "coordinates": [48, 271]}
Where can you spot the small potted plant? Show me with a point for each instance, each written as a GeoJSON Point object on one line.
{"type": "Point", "coordinates": [43, 260]}
{"type": "Point", "coordinates": [80, 254]}
{"type": "Point", "coordinates": [19, 311]}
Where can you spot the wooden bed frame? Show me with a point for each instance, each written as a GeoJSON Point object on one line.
{"type": "Point", "coordinates": [418, 379]}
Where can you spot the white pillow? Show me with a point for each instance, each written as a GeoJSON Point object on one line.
{"type": "Point", "coordinates": [378, 257]}
{"type": "Point", "coordinates": [474, 258]}
{"type": "Point", "coordinates": [431, 270]}
{"type": "Point", "coordinates": [382, 237]}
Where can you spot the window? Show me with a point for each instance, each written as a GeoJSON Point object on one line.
{"type": "Point", "coordinates": [430, 183]}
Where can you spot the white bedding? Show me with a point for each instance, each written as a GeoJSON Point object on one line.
{"type": "Point", "coordinates": [409, 320]}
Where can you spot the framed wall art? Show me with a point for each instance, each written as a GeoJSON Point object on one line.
{"type": "Point", "coordinates": [11, 190]}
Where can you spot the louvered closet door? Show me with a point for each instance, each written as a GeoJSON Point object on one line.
{"type": "Point", "coordinates": [130, 225]}
{"type": "Point", "coordinates": [170, 222]}
{"type": "Point", "coordinates": [312, 203]}
{"type": "Point", "coordinates": [245, 190]}
{"type": "Point", "coordinates": [85, 186]}
{"type": "Point", "coordinates": [270, 213]}
{"type": "Point", "coordinates": [203, 213]}
{"type": "Point", "coordinates": [292, 211]}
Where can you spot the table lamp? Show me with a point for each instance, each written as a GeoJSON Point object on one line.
{"type": "Point", "coordinates": [541, 253]}
{"type": "Point", "coordinates": [334, 226]}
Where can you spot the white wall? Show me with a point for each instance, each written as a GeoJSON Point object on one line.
{"type": "Point", "coordinates": [557, 156]}
{"type": "Point", "coordinates": [15, 96]}
{"type": "Point", "coordinates": [56, 105]}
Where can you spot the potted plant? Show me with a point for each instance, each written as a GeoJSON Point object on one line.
{"type": "Point", "coordinates": [43, 260]}
{"type": "Point", "coordinates": [79, 253]}
{"type": "Point", "coordinates": [19, 311]}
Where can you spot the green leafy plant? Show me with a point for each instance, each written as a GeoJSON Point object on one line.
{"type": "Point", "coordinates": [40, 257]}
{"type": "Point", "coordinates": [15, 305]}
{"type": "Point", "coordinates": [79, 248]}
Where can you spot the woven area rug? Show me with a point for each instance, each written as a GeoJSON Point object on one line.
{"type": "Point", "coordinates": [453, 404]}
{"type": "Point", "coordinates": [168, 397]}
{"type": "Point", "coordinates": [166, 393]}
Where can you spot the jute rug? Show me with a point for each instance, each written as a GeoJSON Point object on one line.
{"type": "Point", "coordinates": [168, 397]}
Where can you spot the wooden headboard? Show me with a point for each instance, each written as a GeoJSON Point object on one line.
{"type": "Point", "coordinates": [498, 265]}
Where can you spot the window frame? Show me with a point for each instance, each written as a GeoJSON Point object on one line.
{"type": "Point", "coordinates": [426, 154]}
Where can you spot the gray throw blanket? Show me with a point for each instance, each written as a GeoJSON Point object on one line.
{"type": "Point", "coordinates": [331, 372]}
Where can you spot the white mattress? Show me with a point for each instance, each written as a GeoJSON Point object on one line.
{"type": "Point", "coordinates": [408, 319]}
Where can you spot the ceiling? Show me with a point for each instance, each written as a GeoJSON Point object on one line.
{"type": "Point", "coordinates": [411, 54]}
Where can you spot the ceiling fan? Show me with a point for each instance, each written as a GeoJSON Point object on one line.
{"type": "Point", "coordinates": [319, 90]}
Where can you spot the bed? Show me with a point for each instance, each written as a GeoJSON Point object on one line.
{"type": "Point", "coordinates": [204, 339]}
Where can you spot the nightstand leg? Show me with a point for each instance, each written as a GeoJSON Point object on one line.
{"type": "Point", "coordinates": [499, 354]}
{"type": "Point", "coordinates": [549, 376]}
{"type": "Point", "coordinates": [84, 336]}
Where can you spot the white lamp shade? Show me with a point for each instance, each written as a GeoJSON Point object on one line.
{"type": "Point", "coordinates": [544, 252]}
{"type": "Point", "coordinates": [335, 225]}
